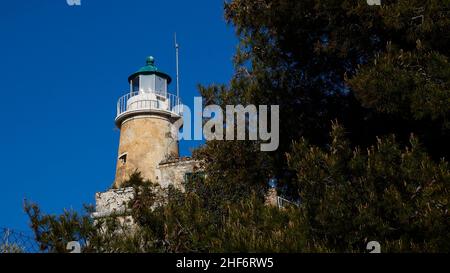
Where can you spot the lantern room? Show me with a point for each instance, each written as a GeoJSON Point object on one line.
{"type": "Point", "coordinates": [149, 79]}
{"type": "Point", "coordinates": [148, 95]}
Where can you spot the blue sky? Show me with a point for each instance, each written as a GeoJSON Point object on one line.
{"type": "Point", "coordinates": [62, 70]}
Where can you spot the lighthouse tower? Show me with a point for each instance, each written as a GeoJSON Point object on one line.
{"type": "Point", "coordinates": [145, 117]}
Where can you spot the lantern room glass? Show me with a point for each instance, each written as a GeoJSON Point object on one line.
{"type": "Point", "coordinates": [135, 84]}
{"type": "Point", "coordinates": [149, 84]}
{"type": "Point", "coordinates": [160, 86]}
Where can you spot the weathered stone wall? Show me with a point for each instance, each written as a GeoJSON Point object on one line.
{"type": "Point", "coordinates": [169, 172]}
{"type": "Point", "coordinates": [113, 201]}
{"type": "Point", "coordinates": [173, 172]}
{"type": "Point", "coordinates": [146, 140]}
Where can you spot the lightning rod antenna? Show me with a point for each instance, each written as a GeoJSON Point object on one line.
{"type": "Point", "coordinates": [177, 47]}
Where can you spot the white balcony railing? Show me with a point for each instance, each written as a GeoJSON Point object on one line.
{"type": "Point", "coordinates": [283, 202]}
{"type": "Point", "coordinates": [136, 102]}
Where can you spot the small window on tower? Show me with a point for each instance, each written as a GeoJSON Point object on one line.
{"type": "Point", "coordinates": [123, 159]}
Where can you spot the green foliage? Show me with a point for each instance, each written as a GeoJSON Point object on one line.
{"type": "Point", "coordinates": [188, 224]}
{"type": "Point", "coordinates": [322, 60]}
{"type": "Point", "coordinates": [234, 169]}
{"type": "Point", "coordinates": [10, 249]}
{"type": "Point", "coordinates": [54, 232]}
{"type": "Point", "coordinates": [414, 85]}
{"type": "Point", "coordinates": [396, 196]}
{"type": "Point", "coordinates": [135, 180]}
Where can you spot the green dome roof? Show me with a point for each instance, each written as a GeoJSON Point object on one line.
{"type": "Point", "coordinates": [150, 69]}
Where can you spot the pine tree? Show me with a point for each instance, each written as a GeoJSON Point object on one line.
{"type": "Point", "coordinates": [397, 196]}
{"type": "Point", "coordinates": [378, 70]}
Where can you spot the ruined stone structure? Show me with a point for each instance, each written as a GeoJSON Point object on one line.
{"type": "Point", "coordinates": [170, 172]}
{"type": "Point", "coordinates": [174, 171]}
{"type": "Point", "coordinates": [113, 201]}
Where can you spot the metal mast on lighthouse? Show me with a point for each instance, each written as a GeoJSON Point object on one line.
{"type": "Point", "coordinates": [177, 47]}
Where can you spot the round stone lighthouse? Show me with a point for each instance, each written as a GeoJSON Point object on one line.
{"type": "Point", "coordinates": [145, 117]}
